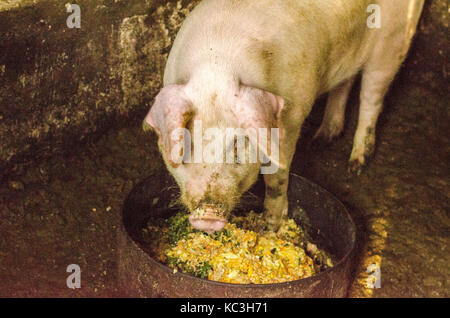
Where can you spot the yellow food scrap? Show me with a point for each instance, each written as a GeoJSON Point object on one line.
{"type": "Point", "coordinates": [243, 256]}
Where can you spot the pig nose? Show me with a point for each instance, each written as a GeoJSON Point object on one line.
{"type": "Point", "coordinates": [207, 219]}
{"type": "Point", "coordinates": [208, 225]}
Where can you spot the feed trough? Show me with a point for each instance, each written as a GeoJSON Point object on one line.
{"type": "Point", "coordinates": [324, 218]}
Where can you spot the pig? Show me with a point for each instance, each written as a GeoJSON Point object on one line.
{"type": "Point", "coordinates": [261, 64]}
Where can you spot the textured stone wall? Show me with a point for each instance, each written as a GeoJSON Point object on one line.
{"type": "Point", "coordinates": [61, 87]}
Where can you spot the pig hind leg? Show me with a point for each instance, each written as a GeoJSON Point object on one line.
{"type": "Point", "coordinates": [375, 83]}
{"type": "Point", "coordinates": [374, 86]}
{"type": "Point", "coordinates": [333, 118]}
{"type": "Point", "coordinates": [379, 71]}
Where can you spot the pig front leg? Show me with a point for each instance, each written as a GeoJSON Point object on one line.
{"type": "Point", "coordinates": [258, 108]}
{"type": "Point", "coordinates": [276, 200]}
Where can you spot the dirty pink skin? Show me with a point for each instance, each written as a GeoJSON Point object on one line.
{"type": "Point", "coordinates": [252, 64]}
{"type": "Point", "coordinates": [212, 187]}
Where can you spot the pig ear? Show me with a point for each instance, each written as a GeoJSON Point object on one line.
{"type": "Point", "coordinates": [171, 110]}
{"type": "Point", "coordinates": [255, 109]}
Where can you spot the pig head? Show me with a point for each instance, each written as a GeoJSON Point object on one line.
{"type": "Point", "coordinates": [210, 189]}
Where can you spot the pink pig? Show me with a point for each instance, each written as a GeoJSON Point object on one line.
{"type": "Point", "coordinates": [262, 64]}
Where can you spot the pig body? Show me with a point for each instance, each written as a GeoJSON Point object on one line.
{"type": "Point", "coordinates": [252, 64]}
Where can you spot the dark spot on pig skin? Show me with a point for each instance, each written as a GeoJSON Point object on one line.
{"type": "Point", "coordinates": [213, 99]}
{"type": "Point", "coordinates": [273, 192]}
{"type": "Point", "coordinates": [267, 58]}
{"type": "Point", "coordinates": [370, 131]}
{"type": "Point", "coordinates": [215, 176]}
{"type": "Point", "coordinates": [369, 144]}
{"type": "Point", "coordinates": [264, 54]}
{"type": "Point", "coordinates": [187, 117]}
{"type": "Point", "coordinates": [217, 198]}
{"type": "Point", "coordinates": [240, 185]}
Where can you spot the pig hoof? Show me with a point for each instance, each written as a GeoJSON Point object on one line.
{"type": "Point", "coordinates": [359, 158]}
{"type": "Point", "coordinates": [146, 127]}
{"type": "Point", "coordinates": [272, 224]}
{"type": "Point", "coordinates": [273, 227]}
{"type": "Point", "coordinates": [355, 166]}
{"type": "Point", "coordinates": [318, 143]}
{"type": "Point", "coordinates": [324, 137]}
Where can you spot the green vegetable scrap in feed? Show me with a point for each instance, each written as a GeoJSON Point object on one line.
{"type": "Point", "coordinates": [203, 270]}
{"type": "Point", "coordinates": [179, 227]}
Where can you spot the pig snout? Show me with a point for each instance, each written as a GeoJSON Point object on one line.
{"type": "Point", "coordinates": [208, 219]}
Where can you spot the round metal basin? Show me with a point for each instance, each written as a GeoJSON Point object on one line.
{"type": "Point", "coordinates": [324, 218]}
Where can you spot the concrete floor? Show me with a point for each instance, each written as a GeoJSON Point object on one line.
{"type": "Point", "coordinates": [67, 210]}
{"type": "Point", "coordinates": [401, 201]}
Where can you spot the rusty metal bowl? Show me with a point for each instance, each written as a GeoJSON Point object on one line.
{"type": "Point", "coordinates": [324, 218]}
